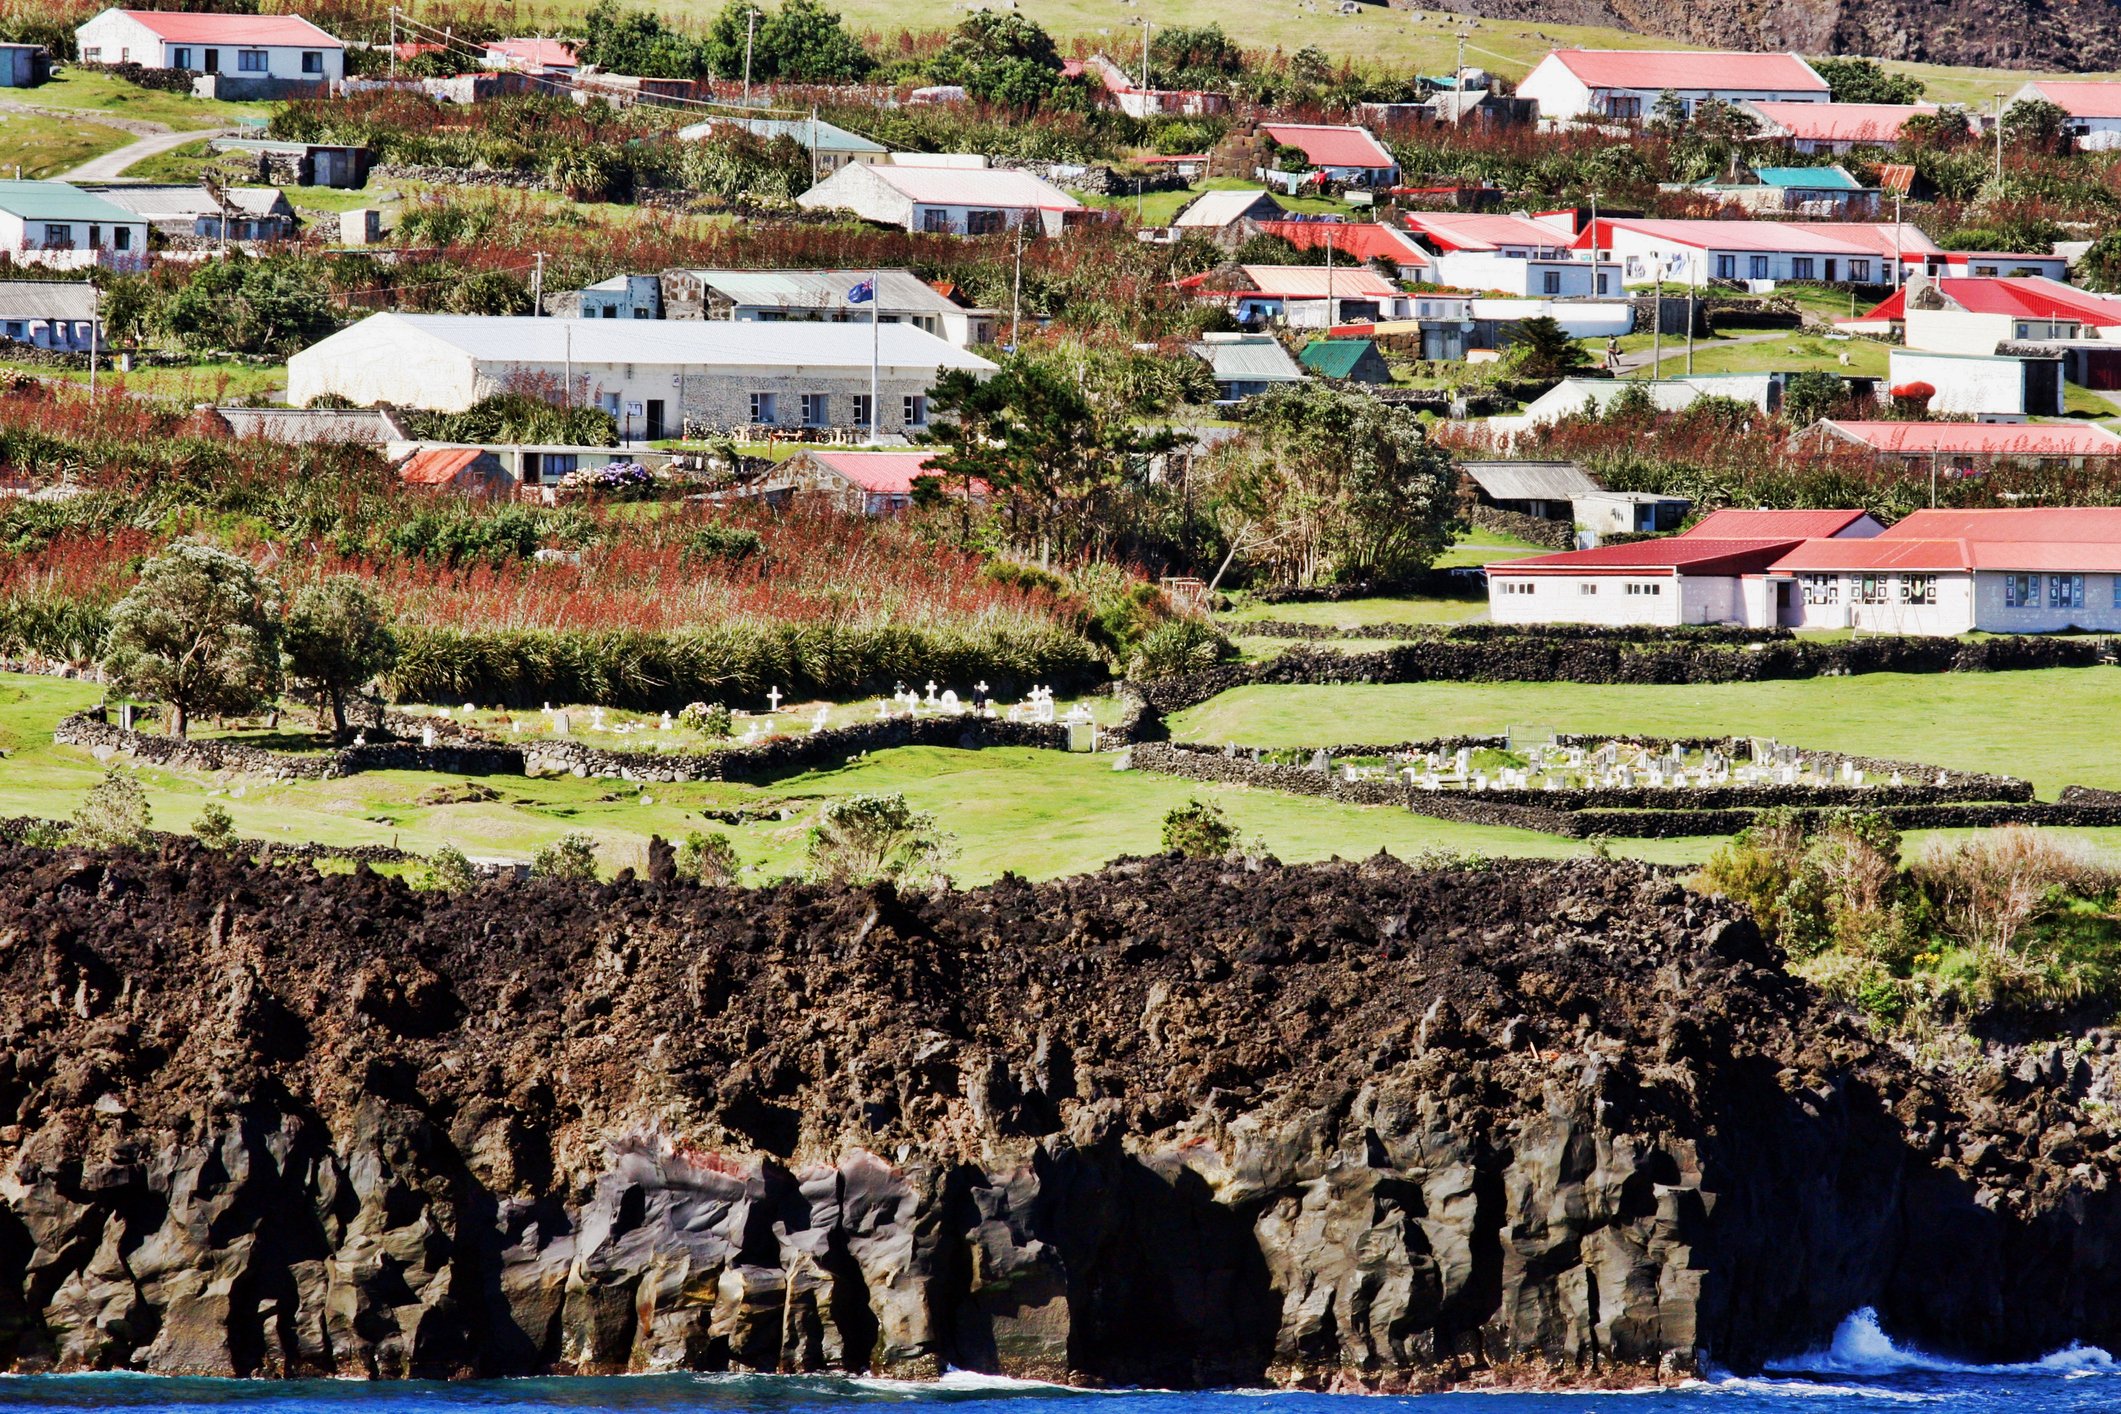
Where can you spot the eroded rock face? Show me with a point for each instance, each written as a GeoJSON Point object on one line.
{"type": "Point", "coordinates": [1171, 1124]}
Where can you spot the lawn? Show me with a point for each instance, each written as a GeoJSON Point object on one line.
{"type": "Point", "coordinates": [1792, 352]}
{"type": "Point", "coordinates": [104, 93]}
{"type": "Point", "coordinates": [1477, 547]}
{"type": "Point", "coordinates": [1157, 208]}
{"type": "Point", "coordinates": [1039, 813]}
{"type": "Point", "coordinates": [2053, 727]}
{"type": "Point", "coordinates": [194, 383]}
{"type": "Point", "coordinates": [35, 145]}
{"type": "Point", "coordinates": [1356, 613]}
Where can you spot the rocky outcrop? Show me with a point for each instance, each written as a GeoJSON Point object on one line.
{"type": "Point", "coordinates": [1175, 1123]}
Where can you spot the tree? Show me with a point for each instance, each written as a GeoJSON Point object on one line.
{"type": "Point", "coordinates": [1194, 56]}
{"type": "Point", "coordinates": [449, 870]}
{"type": "Point", "coordinates": [112, 815]}
{"type": "Point", "coordinates": [1000, 56]}
{"type": "Point", "coordinates": [572, 859]}
{"type": "Point", "coordinates": [1199, 831]}
{"type": "Point", "coordinates": [1326, 485]}
{"type": "Point", "coordinates": [336, 639]}
{"type": "Point", "coordinates": [1950, 126]}
{"type": "Point", "coordinates": [199, 633]}
{"type": "Point", "coordinates": [1056, 440]}
{"type": "Point", "coordinates": [1668, 113]}
{"type": "Point", "coordinates": [2036, 125]}
{"type": "Point", "coordinates": [708, 858]}
{"type": "Point", "coordinates": [1810, 395]}
{"type": "Point", "coordinates": [1541, 348]}
{"type": "Point", "coordinates": [2100, 266]}
{"type": "Point", "coordinates": [1866, 81]}
{"type": "Point", "coordinates": [637, 42]}
{"type": "Point", "coordinates": [276, 305]}
{"type": "Point", "coordinates": [866, 838]}
{"type": "Point", "coordinates": [805, 42]}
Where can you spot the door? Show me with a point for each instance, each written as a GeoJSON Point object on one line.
{"type": "Point", "coordinates": [1830, 270]}
{"type": "Point", "coordinates": [213, 61]}
{"type": "Point", "coordinates": [655, 431]}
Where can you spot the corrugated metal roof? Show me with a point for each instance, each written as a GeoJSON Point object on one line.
{"type": "Point", "coordinates": [533, 53]}
{"type": "Point", "coordinates": [1530, 481]}
{"type": "Point", "coordinates": [1249, 360]}
{"type": "Point", "coordinates": [1213, 210]}
{"type": "Point", "coordinates": [829, 137]}
{"type": "Point", "coordinates": [999, 187]}
{"type": "Point", "coordinates": [1457, 230]}
{"type": "Point", "coordinates": [2083, 98]}
{"type": "Point", "coordinates": [199, 27]}
{"type": "Point", "coordinates": [1689, 70]}
{"type": "Point", "coordinates": [160, 201]}
{"type": "Point", "coordinates": [2073, 525]}
{"type": "Point", "coordinates": [2031, 297]}
{"type": "Point", "coordinates": [1335, 358]}
{"type": "Point", "coordinates": [1807, 178]}
{"type": "Point", "coordinates": [47, 299]}
{"type": "Point", "coordinates": [1800, 237]}
{"type": "Point", "coordinates": [1880, 238]}
{"type": "Point", "coordinates": [437, 466]}
{"type": "Point", "coordinates": [1734, 524]}
{"type": "Point", "coordinates": [1327, 145]}
{"type": "Point", "coordinates": [2067, 439]}
{"type": "Point", "coordinates": [1841, 122]}
{"type": "Point", "coordinates": [1357, 240]}
{"type": "Point", "coordinates": [723, 343]}
{"type": "Point", "coordinates": [1312, 281]}
{"type": "Point", "coordinates": [1676, 554]}
{"type": "Point", "coordinates": [59, 201]}
{"type": "Point", "coordinates": [1876, 554]}
{"type": "Point", "coordinates": [899, 291]}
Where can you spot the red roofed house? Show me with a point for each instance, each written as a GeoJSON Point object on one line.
{"type": "Point", "coordinates": [1303, 296]}
{"type": "Point", "coordinates": [1701, 253]}
{"type": "Point", "coordinates": [1357, 242]}
{"type": "Point", "coordinates": [2093, 106]}
{"type": "Point", "coordinates": [1975, 316]}
{"type": "Point", "coordinates": [1949, 572]}
{"type": "Point", "coordinates": [860, 483]}
{"type": "Point", "coordinates": [467, 470]}
{"type": "Point", "coordinates": [1836, 127]}
{"type": "Point", "coordinates": [532, 56]}
{"type": "Point", "coordinates": [1957, 448]}
{"type": "Point", "coordinates": [1348, 155]}
{"type": "Point", "coordinates": [284, 47]}
{"type": "Point", "coordinates": [1527, 256]}
{"type": "Point", "coordinates": [1713, 573]}
{"type": "Point", "coordinates": [946, 194]}
{"type": "Point", "coordinates": [1623, 85]}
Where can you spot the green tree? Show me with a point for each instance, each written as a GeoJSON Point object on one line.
{"type": "Point", "coordinates": [1950, 126]}
{"type": "Point", "coordinates": [449, 871]}
{"type": "Point", "coordinates": [336, 639]}
{"type": "Point", "coordinates": [865, 838]}
{"type": "Point", "coordinates": [1194, 56]}
{"type": "Point", "coordinates": [1866, 81]}
{"type": "Point", "coordinates": [802, 41]}
{"type": "Point", "coordinates": [1000, 56]}
{"type": "Point", "coordinates": [709, 858]}
{"type": "Point", "coordinates": [1199, 830]}
{"type": "Point", "coordinates": [1811, 395]}
{"type": "Point", "coordinates": [1541, 348]}
{"type": "Point", "coordinates": [112, 815]}
{"type": "Point", "coordinates": [276, 305]}
{"type": "Point", "coordinates": [215, 828]}
{"type": "Point", "coordinates": [572, 858]}
{"type": "Point", "coordinates": [199, 633]}
{"type": "Point", "coordinates": [1326, 485]}
{"type": "Point", "coordinates": [2036, 125]}
{"type": "Point", "coordinates": [637, 42]}
{"type": "Point", "coordinates": [2100, 267]}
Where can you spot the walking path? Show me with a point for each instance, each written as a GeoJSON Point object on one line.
{"type": "Point", "coordinates": [153, 144]}
{"type": "Point", "coordinates": [1675, 347]}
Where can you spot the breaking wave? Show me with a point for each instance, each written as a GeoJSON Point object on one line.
{"type": "Point", "coordinates": [1861, 1349]}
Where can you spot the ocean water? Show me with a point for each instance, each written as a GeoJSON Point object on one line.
{"type": "Point", "coordinates": [1860, 1372]}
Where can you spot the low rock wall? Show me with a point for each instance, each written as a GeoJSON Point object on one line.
{"type": "Point", "coordinates": [1554, 534]}
{"type": "Point", "coordinates": [781, 754]}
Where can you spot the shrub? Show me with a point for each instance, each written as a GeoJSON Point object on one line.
{"type": "Point", "coordinates": [448, 871]}
{"type": "Point", "coordinates": [706, 718]}
{"type": "Point", "coordinates": [200, 632]}
{"type": "Point", "coordinates": [1199, 830]}
{"type": "Point", "coordinates": [214, 828]}
{"type": "Point", "coordinates": [721, 542]}
{"type": "Point", "coordinates": [708, 858]}
{"type": "Point", "coordinates": [866, 838]}
{"type": "Point", "coordinates": [113, 815]}
{"type": "Point", "coordinates": [573, 858]}
{"type": "Point", "coordinates": [1179, 646]}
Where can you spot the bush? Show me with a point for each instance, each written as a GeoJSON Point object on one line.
{"type": "Point", "coordinates": [113, 815]}
{"type": "Point", "coordinates": [867, 838]}
{"type": "Point", "coordinates": [721, 542]}
{"type": "Point", "coordinates": [1198, 830]}
{"type": "Point", "coordinates": [448, 871]}
{"type": "Point", "coordinates": [706, 718]}
{"type": "Point", "coordinates": [214, 828]}
{"type": "Point", "coordinates": [573, 858]}
{"type": "Point", "coordinates": [1179, 646]}
{"type": "Point", "coordinates": [708, 858]}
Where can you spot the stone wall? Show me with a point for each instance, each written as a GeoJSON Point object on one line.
{"type": "Point", "coordinates": [782, 754]}
{"type": "Point", "coordinates": [1554, 534]}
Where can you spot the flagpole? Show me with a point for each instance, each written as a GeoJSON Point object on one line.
{"type": "Point", "coordinates": [876, 298]}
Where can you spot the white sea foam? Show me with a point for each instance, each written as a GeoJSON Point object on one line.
{"type": "Point", "coordinates": [1863, 1350]}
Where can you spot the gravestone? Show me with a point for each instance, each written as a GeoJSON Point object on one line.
{"type": "Point", "coordinates": [427, 737]}
{"type": "Point", "coordinates": [125, 716]}
{"type": "Point", "coordinates": [562, 724]}
{"type": "Point", "coordinates": [1320, 762]}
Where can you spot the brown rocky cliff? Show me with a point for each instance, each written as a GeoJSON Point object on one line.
{"type": "Point", "coordinates": [1174, 1123]}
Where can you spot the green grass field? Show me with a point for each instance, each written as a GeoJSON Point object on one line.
{"type": "Point", "coordinates": [192, 383]}
{"type": "Point", "coordinates": [91, 91]}
{"type": "Point", "coordinates": [1789, 352]}
{"type": "Point", "coordinates": [38, 145]}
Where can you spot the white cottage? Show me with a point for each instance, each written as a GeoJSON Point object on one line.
{"type": "Point", "coordinates": [246, 46]}
{"type": "Point", "coordinates": [1623, 85]}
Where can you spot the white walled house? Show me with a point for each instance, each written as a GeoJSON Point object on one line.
{"type": "Point", "coordinates": [952, 199]}
{"type": "Point", "coordinates": [654, 376]}
{"type": "Point", "coordinates": [2093, 106]}
{"type": "Point", "coordinates": [1623, 85]}
{"type": "Point", "coordinates": [775, 296]}
{"type": "Point", "coordinates": [1989, 387]}
{"type": "Point", "coordinates": [1948, 572]}
{"type": "Point", "coordinates": [1703, 253]}
{"type": "Point", "coordinates": [49, 314]}
{"type": "Point", "coordinates": [1530, 257]}
{"type": "Point", "coordinates": [1836, 127]}
{"type": "Point", "coordinates": [1976, 316]}
{"type": "Point", "coordinates": [244, 46]}
{"type": "Point", "coordinates": [1957, 448]}
{"type": "Point", "coordinates": [59, 225]}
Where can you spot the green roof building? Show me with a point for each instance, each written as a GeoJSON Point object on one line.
{"type": "Point", "coordinates": [55, 223]}
{"type": "Point", "coordinates": [1348, 360]}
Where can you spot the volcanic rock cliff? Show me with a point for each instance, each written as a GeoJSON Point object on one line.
{"type": "Point", "coordinates": [1173, 1123]}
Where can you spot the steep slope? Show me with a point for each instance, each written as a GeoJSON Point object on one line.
{"type": "Point", "coordinates": [1173, 1123]}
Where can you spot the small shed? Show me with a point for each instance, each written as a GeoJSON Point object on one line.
{"type": "Point", "coordinates": [1542, 490]}
{"type": "Point", "coordinates": [1346, 360]}
{"type": "Point", "coordinates": [1605, 513]}
{"type": "Point", "coordinates": [24, 65]}
{"type": "Point", "coordinates": [861, 483]}
{"type": "Point", "coordinates": [470, 471]}
{"type": "Point", "coordinates": [1245, 365]}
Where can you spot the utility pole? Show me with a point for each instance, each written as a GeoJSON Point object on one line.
{"type": "Point", "coordinates": [537, 286]}
{"type": "Point", "coordinates": [1329, 282]}
{"type": "Point", "coordinates": [813, 144]}
{"type": "Point", "coordinates": [95, 333]}
{"type": "Point", "coordinates": [1146, 27]}
{"type": "Point", "coordinates": [1999, 139]}
{"type": "Point", "coordinates": [876, 301]}
{"type": "Point", "coordinates": [1898, 260]}
{"type": "Point", "coordinates": [393, 41]}
{"type": "Point", "coordinates": [1458, 74]}
{"type": "Point", "coordinates": [751, 29]}
{"type": "Point", "coordinates": [1016, 287]}
{"type": "Point", "coordinates": [1657, 318]}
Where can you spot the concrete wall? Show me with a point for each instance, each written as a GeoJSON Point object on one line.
{"type": "Point", "coordinates": [1489, 270]}
{"type": "Point", "coordinates": [1992, 614]}
{"type": "Point", "coordinates": [1585, 599]}
{"type": "Point", "coordinates": [1957, 331]}
{"type": "Point", "coordinates": [1969, 386]}
{"type": "Point", "coordinates": [1639, 255]}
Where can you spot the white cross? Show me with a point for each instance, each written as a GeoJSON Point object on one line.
{"type": "Point", "coordinates": [982, 688]}
{"type": "Point", "coordinates": [773, 698]}
{"type": "Point", "coordinates": [883, 713]}
{"type": "Point", "coordinates": [931, 689]}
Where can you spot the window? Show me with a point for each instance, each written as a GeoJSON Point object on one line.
{"type": "Point", "coordinates": [250, 61]}
{"type": "Point", "coordinates": [58, 235]}
{"type": "Point", "coordinates": [1646, 589]}
{"type": "Point", "coordinates": [2021, 591]}
{"type": "Point", "coordinates": [762, 409]}
{"type": "Point", "coordinates": [1918, 589]}
{"type": "Point", "coordinates": [1801, 267]}
{"type": "Point", "coordinates": [1550, 281]}
{"type": "Point", "coordinates": [1757, 267]}
{"type": "Point", "coordinates": [94, 55]}
{"type": "Point", "coordinates": [1822, 589]}
{"type": "Point", "coordinates": [983, 223]}
{"type": "Point", "coordinates": [312, 61]}
{"type": "Point", "coordinates": [2065, 591]}
{"type": "Point", "coordinates": [1860, 272]}
{"type": "Point", "coordinates": [935, 222]}
{"type": "Point", "coordinates": [1602, 287]}
{"type": "Point", "coordinates": [861, 409]}
{"type": "Point", "coordinates": [1514, 586]}
{"type": "Point", "coordinates": [95, 236]}
{"type": "Point", "coordinates": [1870, 589]}
{"type": "Point", "coordinates": [917, 414]}
{"type": "Point", "coordinates": [1623, 108]}
{"type": "Point", "coordinates": [1586, 589]}
{"type": "Point", "coordinates": [817, 410]}
{"type": "Point", "coordinates": [640, 314]}
{"type": "Point", "coordinates": [180, 57]}
{"type": "Point", "coordinates": [1726, 267]}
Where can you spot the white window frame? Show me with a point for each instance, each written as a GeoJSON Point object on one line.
{"type": "Point", "coordinates": [816, 409]}
{"type": "Point", "coordinates": [764, 412]}
{"type": "Point", "coordinates": [253, 61]}
{"type": "Point", "coordinates": [916, 409]}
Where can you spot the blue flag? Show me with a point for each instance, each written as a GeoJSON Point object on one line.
{"type": "Point", "coordinates": [862, 293]}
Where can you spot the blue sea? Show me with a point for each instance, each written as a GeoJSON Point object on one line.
{"type": "Point", "coordinates": [1862, 1371]}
